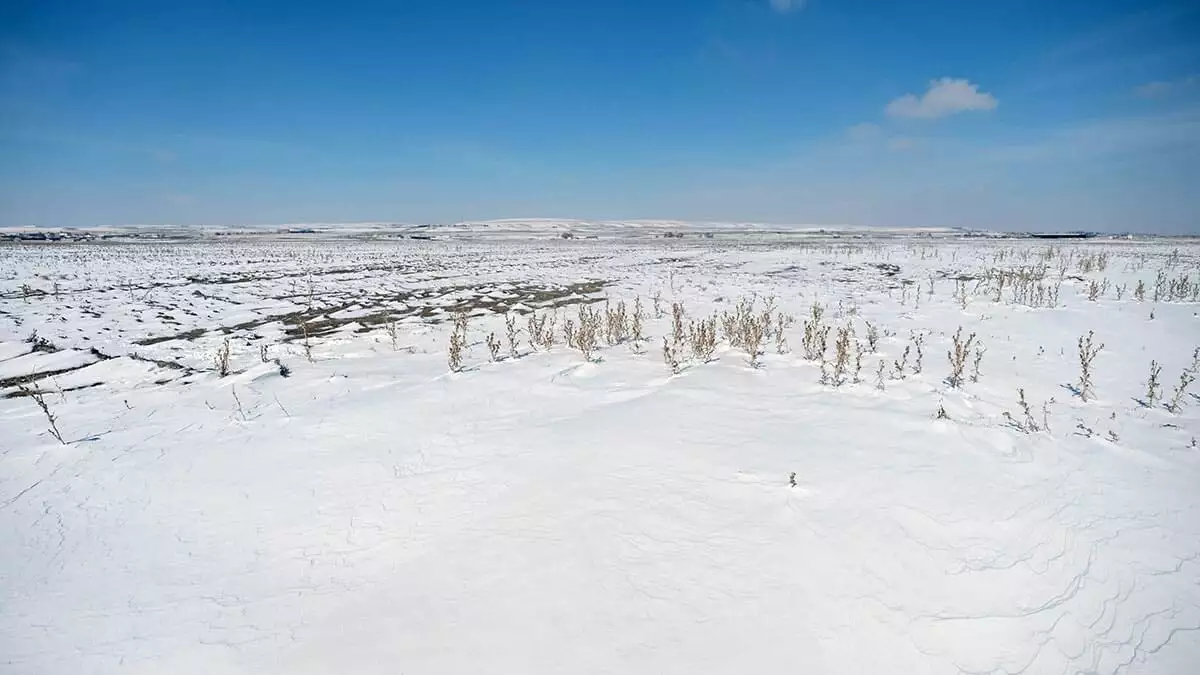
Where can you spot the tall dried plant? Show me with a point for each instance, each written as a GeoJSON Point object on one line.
{"type": "Point", "coordinates": [957, 356]}
{"type": "Point", "coordinates": [1087, 353]}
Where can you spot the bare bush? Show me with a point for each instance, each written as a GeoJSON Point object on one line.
{"type": "Point", "coordinates": [393, 331]}
{"type": "Point", "coordinates": [587, 334]}
{"type": "Point", "coordinates": [512, 332]}
{"type": "Point", "coordinates": [782, 322]}
{"type": "Point", "coordinates": [678, 317]}
{"type": "Point", "coordinates": [635, 325]}
{"type": "Point", "coordinates": [39, 397]}
{"type": "Point", "coordinates": [900, 365]}
{"type": "Point", "coordinates": [1186, 378]}
{"type": "Point", "coordinates": [703, 338]}
{"type": "Point", "coordinates": [960, 294]}
{"type": "Point", "coordinates": [841, 358]}
{"type": "Point", "coordinates": [979, 352]}
{"type": "Point", "coordinates": [1046, 413]}
{"type": "Point", "coordinates": [1153, 387]}
{"type": "Point", "coordinates": [40, 344]}
{"type": "Point", "coordinates": [872, 337]}
{"type": "Point", "coordinates": [670, 357]}
{"type": "Point", "coordinates": [957, 356]}
{"type": "Point", "coordinates": [1087, 353]}
{"type": "Point", "coordinates": [745, 328]}
{"type": "Point", "coordinates": [493, 345]}
{"type": "Point", "coordinates": [1027, 424]}
{"type": "Point", "coordinates": [858, 354]}
{"type": "Point", "coordinates": [569, 332]}
{"type": "Point", "coordinates": [879, 375]}
{"type": "Point", "coordinates": [918, 342]}
{"type": "Point", "coordinates": [616, 321]}
{"type": "Point", "coordinates": [307, 343]}
{"type": "Point", "coordinates": [753, 332]}
{"type": "Point", "coordinates": [548, 334]}
{"type": "Point", "coordinates": [458, 344]}
{"type": "Point", "coordinates": [541, 330]}
{"type": "Point", "coordinates": [816, 334]}
{"type": "Point", "coordinates": [221, 359]}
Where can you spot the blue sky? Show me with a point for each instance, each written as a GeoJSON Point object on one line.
{"type": "Point", "coordinates": [1014, 114]}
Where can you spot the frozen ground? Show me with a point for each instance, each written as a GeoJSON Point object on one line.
{"type": "Point", "coordinates": [374, 512]}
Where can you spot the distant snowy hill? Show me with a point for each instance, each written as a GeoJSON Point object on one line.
{"type": "Point", "coordinates": [504, 227]}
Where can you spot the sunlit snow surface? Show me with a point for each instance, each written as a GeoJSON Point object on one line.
{"type": "Point", "coordinates": [373, 513]}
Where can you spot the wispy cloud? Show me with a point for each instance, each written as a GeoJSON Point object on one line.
{"type": "Point", "coordinates": [1175, 132]}
{"type": "Point", "coordinates": [865, 131]}
{"type": "Point", "coordinates": [1163, 88]}
{"type": "Point", "coordinates": [1125, 30]}
{"type": "Point", "coordinates": [944, 97]}
{"type": "Point", "coordinates": [870, 137]}
{"type": "Point", "coordinates": [787, 6]}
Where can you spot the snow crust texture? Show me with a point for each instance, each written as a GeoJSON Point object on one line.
{"type": "Point", "coordinates": [374, 512]}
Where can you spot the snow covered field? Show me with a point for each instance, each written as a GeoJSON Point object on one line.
{"type": "Point", "coordinates": [374, 512]}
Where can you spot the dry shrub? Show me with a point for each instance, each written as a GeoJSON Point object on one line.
{"type": "Point", "coordinates": [493, 345]}
{"type": "Point", "coordinates": [39, 397]}
{"type": "Point", "coordinates": [670, 357]}
{"type": "Point", "coordinates": [702, 335]}
{"type": "Point", "coordinates": [918, 342]}
{"type": "Point", "coordinates": [1087, 353]}
{"type": "Point", "coordinates": [587, 334]}
{"type": "Point", "coordinates": [979, 352]}
{"type": "Point", "coordinates": [958, 357]}
{"type": "Point", "coordinates": [678, 317]}
{"type": "Point", "coordinates": [816, 334]}
{"type": "Point", "coordinates": [1027, 424]}
{"type": "Point", "coordinates": [1186, 378]}
{"type": "Point", "coordinates": [511, 330]}
{"type": "Point", "coordinates": [221, 359]}
{"type": "Point", "coordinates": [841, 359]}
{"type": "Point", "coordinates": [458, 343]}
{"type": "Point", "coordinates": [635, 325]}
{"type": "Point", "coordinates": [1153, 388]}
{"type": "Point", "coordinates": [782, 322]}
{"type": "Point", "coordinates": [616, 323]}
{"type": "Point", "coordinates": [872, 337]}
{"type": "Point", "coordinates": [393, 331]}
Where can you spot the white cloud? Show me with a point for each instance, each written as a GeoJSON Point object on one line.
{"type": "Point", "coordinates": [785, 6]}
{"type": "Point", "coordinates": [946, 96]}
{"type": "Point", "coordinates": [1166, 88]}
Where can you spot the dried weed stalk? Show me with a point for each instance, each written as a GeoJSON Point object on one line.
{"type": "Point", "coordinates": [221, 359]}
{"type": "Point", "coordinates": [39, 397]}
{"type": "Point", "coordinates": [957, 356]}
{"type": "Point", "coordinates": [1087, 353]}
